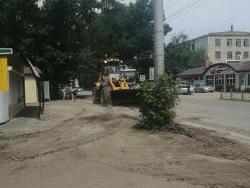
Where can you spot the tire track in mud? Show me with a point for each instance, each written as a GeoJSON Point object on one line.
{"type": "Point", "coordinates": [182, 146]}
{"type": "Point", "coordinates": [209, 143]}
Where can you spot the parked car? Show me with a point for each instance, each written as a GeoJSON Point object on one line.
{"type": "Point", "coordinates": [80, 89]}
{"type": "Point", "coordinates": [203, 88]}
{"type": "Point", "coordinates": [184, 89]}
{"type": "Point", "coordinates": [192, 90]}
{"type": "Point", "coordinates": [208, 88]}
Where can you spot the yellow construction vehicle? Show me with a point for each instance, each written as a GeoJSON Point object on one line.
{"type": "Point", "coordinates": [116, 84]}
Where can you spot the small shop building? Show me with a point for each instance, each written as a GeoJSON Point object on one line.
{"type": "Point", "coordinates": [12, 84]}
{"type": "Point", "coordinates": [12, 98]}
{"type": "Point", "coordinates": [233, 76]}
{"type": "Point", "coordinates": [31, 92]}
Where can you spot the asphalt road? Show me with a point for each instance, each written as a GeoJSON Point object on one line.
{"type": "Point", "coordinates": [208, 110]}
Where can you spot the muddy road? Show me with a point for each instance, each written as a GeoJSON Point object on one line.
{"type": "Point", "coordinates": [84, 145]}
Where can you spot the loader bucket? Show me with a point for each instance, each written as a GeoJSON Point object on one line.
{"type": "Point", "coordinates": [124, 97]}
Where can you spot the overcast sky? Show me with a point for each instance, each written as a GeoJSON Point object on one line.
{"type": "Point", "coordinates": [206, 15]}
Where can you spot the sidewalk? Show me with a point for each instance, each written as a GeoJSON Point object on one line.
{"type": "Point", "coordinates": [25, 122]}
{"type": "Point", "coordinates": [235, 96]}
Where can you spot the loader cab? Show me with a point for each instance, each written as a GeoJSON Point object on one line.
{"type": "Point", "coordinates": [112, 68]}
{"type": "Point", "coordinates": [129, 74]}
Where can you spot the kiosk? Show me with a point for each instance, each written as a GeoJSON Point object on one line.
{"type": "Point", "coordinates": [4, 84]}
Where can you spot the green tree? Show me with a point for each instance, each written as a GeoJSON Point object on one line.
{"type": "Point", "coordinates": [179, 56]}
{"type": "Point", "coordinates": [18, 22]}
{"type": "Point", "coordinates": [156, 104]}
{"type": "Point", "coordinates": [127, 32]}
{"type": "Point", "coordinates": [68, 38]}
{"type": "Point", "coordinates": [65, 50]}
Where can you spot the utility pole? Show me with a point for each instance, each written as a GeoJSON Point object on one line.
{"type": "Point", "coordinates": [158, 38]}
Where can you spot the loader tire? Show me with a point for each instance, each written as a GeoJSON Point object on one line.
{"type": "Point", "coordinates": [95, 96]}
{"type": "Point", "coordinates": [105, 97]}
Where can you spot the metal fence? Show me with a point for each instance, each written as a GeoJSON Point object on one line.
{"type": "Point", "coordinates": [235, 96]}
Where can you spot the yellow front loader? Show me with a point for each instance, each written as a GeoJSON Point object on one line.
{"type": "Point", "coordinates": [116, 84]}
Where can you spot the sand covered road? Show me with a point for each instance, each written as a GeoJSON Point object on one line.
{"type": "Point", "coordinates": [84, 145]}
{"type": "Point", "coordinates": [209, 110]}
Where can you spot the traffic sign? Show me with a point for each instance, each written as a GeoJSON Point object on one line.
{"type": "Point", "coordinates": [142, 78]}
{"type": "Point", "coordinates": [151, 74]}
{"type": "Point", "coordinates": [6, 51]}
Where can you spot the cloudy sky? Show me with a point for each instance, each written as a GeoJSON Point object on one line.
{"type": "Point", "coordinates": [198, 17]}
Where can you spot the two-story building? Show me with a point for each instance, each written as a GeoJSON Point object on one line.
{"type": "Point", "coordinates": [224, 47]}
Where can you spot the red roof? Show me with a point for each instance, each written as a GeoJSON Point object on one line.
{"type": "Point", "coordinates": [244, 67]}
{"type": "Point", "coordinates": [192, 71]}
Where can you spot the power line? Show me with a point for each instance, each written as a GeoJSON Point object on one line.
{"type": "Point", "coordinates": [177, 3]}
{"type": "Point", "coordinates": [173, 3]}
{"type": "Point", "coordinates": [186, 9]}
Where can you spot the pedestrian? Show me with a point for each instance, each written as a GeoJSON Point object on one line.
{"type": "Point", "coordinates": [74, 93]}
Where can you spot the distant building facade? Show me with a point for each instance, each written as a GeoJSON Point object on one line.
{"type": "Point", "coordinates": [224, 47]}
{"type": "Point", "coordinates": [222, 76]}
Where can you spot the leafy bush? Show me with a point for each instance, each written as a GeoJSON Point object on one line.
{"type": "Point", "coordinates": [156, 104]}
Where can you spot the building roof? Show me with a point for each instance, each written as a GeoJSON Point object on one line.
{"type": "Point", "coordinates": [192, 71]}
{"type": "Point", "coordinates": [27, 71]}
{"type": "Point", "coordinates": [230, 33]}
{"type": "Point", "coordinates": [225, 33]}
{"type": "Point", "coordinates": [243, 67]}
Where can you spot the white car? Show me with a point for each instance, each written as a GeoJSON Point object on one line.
{"type": "Point", "coordinates": [192, 90]}
{"type": "Point", "coordinates": [184, 89]}
{"type": "Point", "coordinates": [202, 88]}
{"type": "Point", "coordinates": [208, 89]}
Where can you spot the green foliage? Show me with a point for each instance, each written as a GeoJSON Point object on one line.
{"type": "Point", "coordinates": [126, 32]}
{"type": "Point", "coordinates": [156, 104]}
{"type": "Point", "coordinates": [18, 21]}
{"type": "Point", "coordinates": [179, 56]}
{"type": "Point", "coordinates": [68, 38]}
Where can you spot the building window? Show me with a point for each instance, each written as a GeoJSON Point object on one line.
{"type": "Point", "coordinates": [246, 42]}
{"type": "Point", "coordinates": [230, 79]}
{"type": "Point", "coordinates": [246, 55]}
{"type": "Point", "coordinates": [193, 46]}
{"type": "Point", "coordinates": [229, 55]}
{"type": "Point", "coordinates": [217, 42]}
{"type": "Point", "coordinates": [219, 80]}
{"type": "Point", "coordinates": [229, 42]}
{"type": "Point", "coordinates": [238, 55]}
{"type": "Point", "coordinates": [217, 55]}
{"type": "Point", "coordinates": [248, 79]}
{"type": "Point", "coordinates": [238, 42]}
{"type": "Point", "coordinates": [210, 80]}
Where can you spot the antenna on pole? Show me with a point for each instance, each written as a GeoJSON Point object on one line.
{"type": "Point", "coordinates": [158, 38]}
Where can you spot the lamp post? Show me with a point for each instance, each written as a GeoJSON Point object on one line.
{"type": "Point", "coordinates": [158, 38]}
